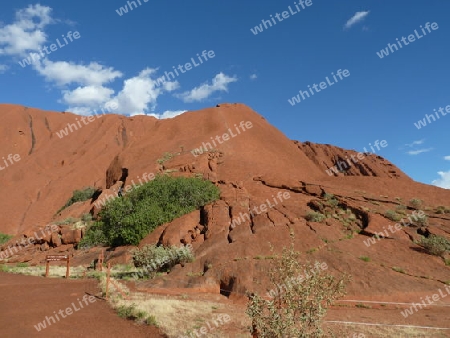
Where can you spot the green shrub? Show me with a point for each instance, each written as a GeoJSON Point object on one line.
{"type": "Point", "coordinates": [5, 238]}
{"type": "Point", "coordinates": [416, 202]}
{"type": "Point", "coordinates": [435, 245]}
{"type": "Point", "coordinates": [443, 210]}
{"type": "Point", "coordinates": [79, 196]}
{"type": "Point", "coordinates": [86, 218]}
{"type": "Point", "coordinates": [159, 258]}
{"type": "Point", "coordinates": [315, 217]}
{"type": "Point", "coordinates": [392, 215]}
{"type": "Point", "coordinates": [93, 236]}
{"type": "Point", "coordinates": [129, 219]}
{"type": "Point", "coordinates": [365, 258]}
{"type": "Point", "coordinates": [151, 320]}
{"type": "Point", "coordinates": [296, 310]}
{"type": "Point", "coordinates": [421, 221]}
{"type": "Point", "coordinates": [127, 311]}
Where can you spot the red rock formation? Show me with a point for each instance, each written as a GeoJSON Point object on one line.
{"type": "Point", "coordinates": [252, 167]}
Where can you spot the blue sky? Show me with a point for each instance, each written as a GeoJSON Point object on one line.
{"type": "Point", "coordinates": [117, 59]}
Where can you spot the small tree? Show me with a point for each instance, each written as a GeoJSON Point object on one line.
{"type": "Point", "coordinates": [299, 309]}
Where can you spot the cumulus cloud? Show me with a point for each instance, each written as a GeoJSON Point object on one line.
{"type": "Point", "coordinates": [219, 83]}
{"type": "Point", "coordinates": [64, 73]}
{"type": "Point", "coordinates": [419, 151]}
{"type": "Point", "coordinates": [357, 17]}
{"type": "Point", "coordinates": [26, 33]}
{"type": "Point", "coordinates": [447, 158]}
{"type": "Point", "coordinates": [87, 96]}
{"type": "Point", "coordinates": [139, 94]}
{"type": "Point", "coordinates": [253, 77]}
{"type": "Point", "coordinates": [443, 181]}
{"type": "Point", "coordinates": [3, 68]}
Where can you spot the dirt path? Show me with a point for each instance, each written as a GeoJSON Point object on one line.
{"type": "Point", "coordinates": [25, 301]}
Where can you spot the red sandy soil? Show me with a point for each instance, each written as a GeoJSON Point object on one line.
{"type": "Point", "coordinates": [26, 301]}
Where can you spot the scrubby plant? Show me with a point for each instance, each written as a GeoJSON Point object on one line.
{"type": "Point", "coordinates": [398, 269]}
{"type": "Point", "coordinates": [415, 202]}
{"type": "Point", "coordinates": [392, 215]}
{"type": "Point", "coordinates": [5, 238]}
{"type": "Point", "coordinates": [79, 196]}
{"type": "Point", "coordinates": [160, 258]}
{"type": "Point", "coordinates": [365, 258]}
{"type": "Point", "coordinates": [167, 156]}
{"type": "Point", "coordinates": [442, 210]}
{"type": "Point", "coordinates": [435, 245]}
{"type": "Point", "coordinates": [86, 218]}
{"type": "Point", "coordinates": [421, 221]}
{"type": "Point", "coordinates": [94, 236]}
{"type": "Point", "coordinates": [297, 310]}
{"type": "Point", "coordinates": [127, 311]}
{"type": "Point", "coordinates": [315, 217]}
{"type": "Point", "coordinates": [69, 220]}
{"type": "Point", "coordinates": [129, 219]}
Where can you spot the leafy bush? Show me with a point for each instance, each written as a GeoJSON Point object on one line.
{"type": "Point", "coordinates": [315, 217]}
{"type": "Point", "coordinates": [129, 219]}
{"type": "Point", "coordinates": [79, 196]}
{"type": "Point", "coordinates": [159, 258]}
{"type": "Point", "coordinates": [5, 238]}
{"type": "Point", "coordinates": [393, 216]}
{"type": "Point", "coordinates": [94, 236]}
{"type": "Point", "coordinates": [435, 245]}
{"type": "Point", "coordinates": [298, 311]}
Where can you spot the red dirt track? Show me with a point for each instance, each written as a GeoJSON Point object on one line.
{"type": "Point", "coordinates": [26, 301]}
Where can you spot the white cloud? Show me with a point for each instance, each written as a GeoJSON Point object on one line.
{"type": "Point", "coordinates": [168, 114]}
{"type": "Point", "coordinates": [443, 181]}
{"type": "Point", "coordinates": [219, 83]}
{"type": "Point", "coordinates": [3, 68]}
{"type": "Point", "coordinates": [64, 73]}
{"type": "Point", "coordinates": [87, 96]}
{"type": "Point", "coordinates": [359, 16]}
{"type": "Point", "coordinates": [253, 77]}
{"type": "Point", "coordinates": [447, 158]}
{"type": "Point", "coordinates": [140, 92]}
{"type": "Point", "coordinates": [26, 33]}
{"type": "Point", "coordinates": [419, 151]}
{"type": "Point", "coordinates": [415, 143]}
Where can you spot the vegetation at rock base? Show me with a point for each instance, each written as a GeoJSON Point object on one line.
{"type": "Point", "coordinates": [159, 258]}
{"type": "Point", "coordinates": [127, 220]}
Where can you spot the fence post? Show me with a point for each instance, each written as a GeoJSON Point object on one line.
{"type": "Point", "coordinates": [68, 267]}
{"type": "Point", "coordinates": [47, 263]}
{"type": "Point", "coordinates": [108, 274]}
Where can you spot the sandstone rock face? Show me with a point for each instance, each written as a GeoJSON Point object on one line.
{"type": "Point", "coordinates": [232, 237]}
